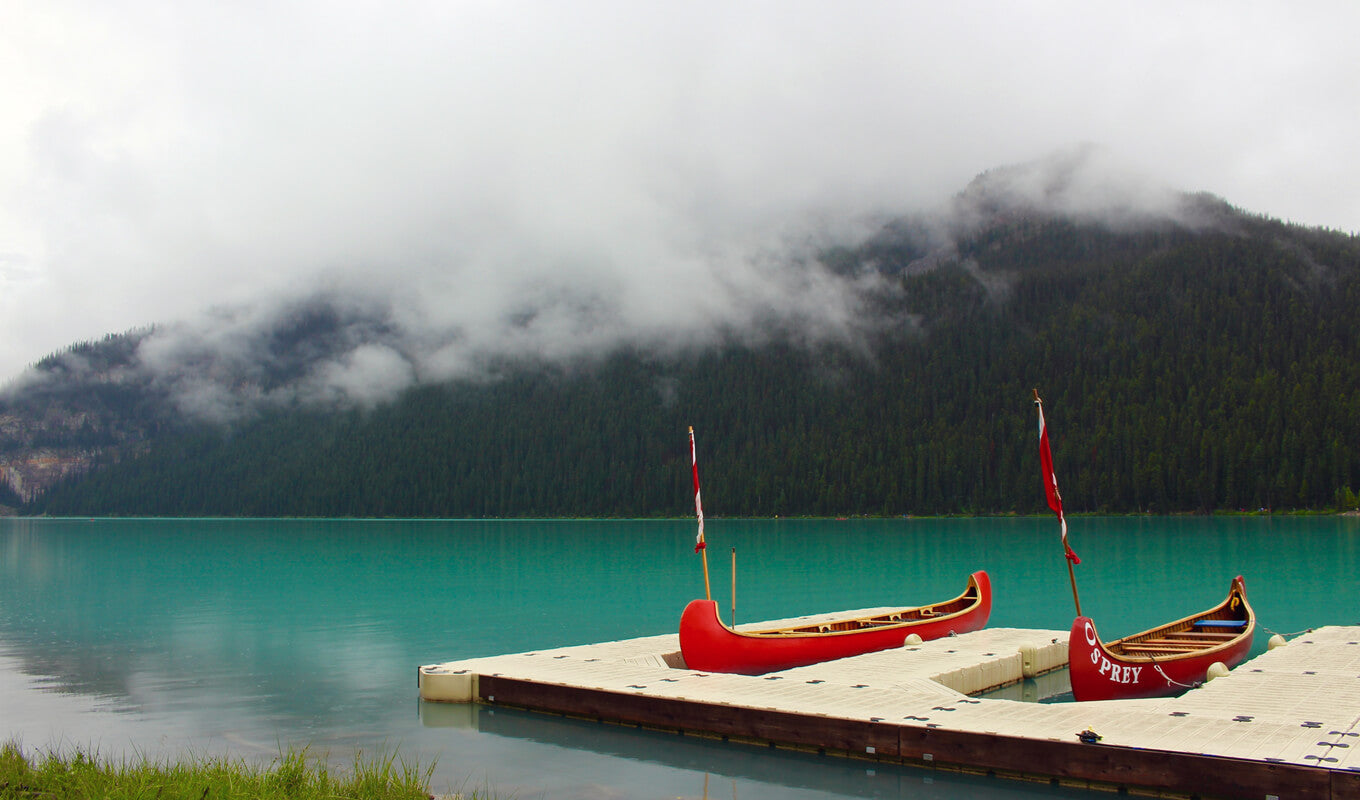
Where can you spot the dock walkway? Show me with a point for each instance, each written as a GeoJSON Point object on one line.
{"type": "Point", "coordinates": [1283, 725]}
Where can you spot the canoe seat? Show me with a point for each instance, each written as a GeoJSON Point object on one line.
{"type": "Point", "coordinates": [1202, 636]}
{"type": "Point", "coordinates": [1164, 644]}
{"type": "Point", "coordinates": [1221, 623]}
{"type": "Point", "coordinates": [1155, 650]}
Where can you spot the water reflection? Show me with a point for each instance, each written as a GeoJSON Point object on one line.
{"type": "Point", "coordinates": [1049, 687]}
{"type": "Point", "coordinates": [751, 770]}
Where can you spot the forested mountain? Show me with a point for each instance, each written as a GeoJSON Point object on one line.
{"type": "Point", "coordinates": [1207, 359]}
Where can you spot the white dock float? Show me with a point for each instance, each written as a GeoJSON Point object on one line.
{"type": "Point", "coordinates": [1285, 724]}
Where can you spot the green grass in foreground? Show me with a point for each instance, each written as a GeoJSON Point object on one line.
{"type": "Point", "coordinates": [86, 776]}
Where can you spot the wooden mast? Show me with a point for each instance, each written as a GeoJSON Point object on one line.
{"type": "Point", "coordinates": [734, 587]}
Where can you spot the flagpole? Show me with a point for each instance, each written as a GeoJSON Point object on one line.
{"type": "Point", "coordinates": [1072, 577]}
{"type": "Point", "coordinates": [700, 546]}
{"type": "Point", "coordinates": [1055, 499]}
{"type": "Point", "coordinates": [708, 593]}
{"type": "Point", "coordinates": [734, 587]}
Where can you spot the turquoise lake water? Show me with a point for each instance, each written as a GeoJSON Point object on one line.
{"type": "Point", "coordinates": [245, 637]}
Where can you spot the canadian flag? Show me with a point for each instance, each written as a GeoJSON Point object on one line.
{"type": "Point", "coordinates": [1051, 480]}
{"type": "Point", "coordinates": [698, 503]}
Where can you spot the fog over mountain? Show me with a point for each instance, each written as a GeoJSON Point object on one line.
{"type": "Point", "coordinates": [361, 340]}
{"type": "Point", "coordinates": [455, 184]}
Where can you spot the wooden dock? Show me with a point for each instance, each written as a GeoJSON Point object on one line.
{"type": "Point", "coordinates": [1283, 725]}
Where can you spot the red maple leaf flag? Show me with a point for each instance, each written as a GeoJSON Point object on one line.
{"type": "Point", "coordinates": [1051, 480]}
{"type": "Point", "coordinates": [698, 504]}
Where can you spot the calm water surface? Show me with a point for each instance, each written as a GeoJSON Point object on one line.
{"type": "Point", "coordinates": [244, 638]}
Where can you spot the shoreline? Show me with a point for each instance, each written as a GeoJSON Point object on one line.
{"type": "Point", "coordinates": [8, 513]}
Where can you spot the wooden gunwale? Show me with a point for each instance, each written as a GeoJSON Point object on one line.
{"type": "Point", "coordinates": [901, 618]}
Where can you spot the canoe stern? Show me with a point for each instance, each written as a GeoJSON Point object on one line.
{"type": "Point", "coordinates": [1155, 663]}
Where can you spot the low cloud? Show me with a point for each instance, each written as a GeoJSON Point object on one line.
{"type": "Point", "coordinates": [370, 335]}
{"type": "Point", "coordinates": [362, 344]}
{"type": "Point", "coordinates": [365, 376]}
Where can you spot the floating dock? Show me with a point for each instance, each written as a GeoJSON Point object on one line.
{"type": "Point", "coordinates": [1283, 725]}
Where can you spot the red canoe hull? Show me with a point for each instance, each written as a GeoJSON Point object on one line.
{"type": "Point", "coordinates": [708, 645]}
{"type": "Point", "coordinates": [1163, 661]}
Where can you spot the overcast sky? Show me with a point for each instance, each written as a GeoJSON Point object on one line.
{"type": "Point", "coordinates": [161, 159]}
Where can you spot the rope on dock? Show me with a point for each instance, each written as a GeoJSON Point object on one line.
{"type": "Point", "coordinates": [1286, 635]}
{"type": "Point", "coordinates": [1171, 680]}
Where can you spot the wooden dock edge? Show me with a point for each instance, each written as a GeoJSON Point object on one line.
{"type": "Point", "coordinates": [1074, 763]}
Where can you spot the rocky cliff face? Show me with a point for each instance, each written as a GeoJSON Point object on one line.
{"type": "Point", "coordinates": [28, 473]}
{"type": "Point", "coordinates": [70, 412]}
{"type": "Point", "coordinates": [38, 450]}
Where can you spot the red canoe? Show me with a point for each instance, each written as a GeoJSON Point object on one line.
{"type": "Point", "coordinates": [708, 645]}
{"type": "Point", "coordinates": [1163, 661]}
